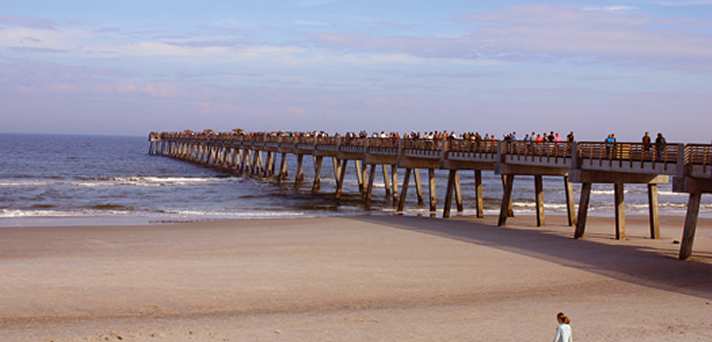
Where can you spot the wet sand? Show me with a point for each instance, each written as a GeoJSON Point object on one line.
{"type": "Point", "coordinates": [373, 278]}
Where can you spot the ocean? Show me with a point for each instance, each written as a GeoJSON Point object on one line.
{"type": "Point", "coordinates": [75, 179]}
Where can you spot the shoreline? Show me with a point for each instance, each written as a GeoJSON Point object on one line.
{"type": "Point", "coordinates": [139, 220]}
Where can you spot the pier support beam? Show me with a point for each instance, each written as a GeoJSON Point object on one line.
{"type": "Point", "coordinates": [254, 165]}
{"type": "Point", "coordinates": [583, 210]}
{"type": "Point", "coordinates": [688, 234]}
{"type": "Point", "coordinates": [318, 161]}
{"type": "Point", "coordinates": [508, 181]}
{"type": "Point", "coordinates": [394, 184]}
{"type": "Point", "coordinates": [653, 211]}
{"type": "Point", "coordinates": [359, 176]}
{"type": "Point", "coordinates": [479, 195]}
{"type": "Point", "coordinates": [336, 165]}
{"type": "Point", "coordinates": [340, 180]}
{"type": "Point", "coordinates": [619, 191]}
{"type": "Point", "coordinates": [539, 194]}
{"type": "Point", "coordinates": [369, 187]}
{"type": "Point", "coordinates": [432, 191]}
{"type": "Point", "coordinates": [269, 165]}
{"type": "Point", "coordinates": [448, 192]}
{"type": "Point", "coordinates": [418, 188]}
{"type": "Point", "coordinates": [458, 193]}
{"type": "Point", "coordinates": [299, 177]}
{"type": "Point", "coordinates": [510, 209]}
{"type": "Point", "coordinates": [283, 168]}
{"type": "Point", "coordinates": [404, 191]}
{"type": "Point", "coordinates": [570, 206]}
{"type": "Point", "coordinates": [386, 180]}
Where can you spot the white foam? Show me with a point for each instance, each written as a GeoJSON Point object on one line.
{"type": "Point", "coordinates": [235, 214]}
{"type": "Point", "coordinates": [17, 213]}
{"type": "Point", "coordinates": [24, 182]}
{"type": "Point", "coordinates": [152, 181]}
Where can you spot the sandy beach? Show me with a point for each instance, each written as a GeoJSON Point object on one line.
{"type": "Point", "coordinates": [371, 278]}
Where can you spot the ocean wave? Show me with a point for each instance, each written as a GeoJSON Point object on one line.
{"type": "Point", "coordinates": [236, 214]}
{"type": "Point", "coordinates": [18, 182]}
{"type": "Point", "coordinates": [154, 181]}
{"type": "Point", "coordinates": [533, 205]}
{"type": "Point", "coordinates": [19, 213]}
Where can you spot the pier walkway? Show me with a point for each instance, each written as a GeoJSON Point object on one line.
{"type": "Point", "coordinates": [587, 163]}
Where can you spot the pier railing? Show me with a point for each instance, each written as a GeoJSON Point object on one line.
{"type": "Point", "coordinates": [698, 160]}
{"type": "Point", "coordinates": [546, 149]}
{"type": "Point", "coordinates": [472, 146]}
{"type": "Point", "coordinates": [629, 152]}
{"type": "Point", "coordinates": [422, 144]}
{"type": "Point", "coordinates": [698, 154]}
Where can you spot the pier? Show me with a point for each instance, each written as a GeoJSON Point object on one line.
{"type": "Point", "coordinates": [256, 154]}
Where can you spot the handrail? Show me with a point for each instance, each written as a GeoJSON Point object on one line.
{"type": "Point", "coordinates": [473, 146]}
{"type": "Point", "coordinates": [542, 149]}
{"type": "Point", "coordinates": [626, 151]}
{"type": "Point", "coordinates": [691, 154]}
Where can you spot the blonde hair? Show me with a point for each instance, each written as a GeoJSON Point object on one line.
{"type": "Point", "coordinates": [563, 318]}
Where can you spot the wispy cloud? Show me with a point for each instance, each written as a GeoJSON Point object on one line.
{"type": "Point", "coordinates": [612, 8]}
{"type": "Point", "coordinates": [685, 3]}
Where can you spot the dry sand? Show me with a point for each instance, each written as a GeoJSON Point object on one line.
{"type": "Point", "coordinates": [352, 279]}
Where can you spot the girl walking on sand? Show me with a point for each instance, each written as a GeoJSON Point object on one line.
{"type": "Point", "coordinates": [563, 331]}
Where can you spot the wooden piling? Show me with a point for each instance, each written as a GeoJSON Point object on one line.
{"type": "Point", "coordinates": [458, 193]}
{"type": "Point", "coordinates": [418, 188]}
{"type": "Point", "coordinates": [653, 211]}
{"type": "Point", "coordinates": [386, 180]}
{"type": "Point", "coordinates": [394, 184]}
{"type": "Point", "coordinates": [510, 207]}
{"type": "Point", "coordinates": [432, 191]}
{"type": "Point", "coordinates": [283, 167]}
{"type": "Point", "coordinates": [570, 205]}
{"type": "Point", "coordinates": [318, 161]}
{"type": "Point", "coordinates": [688, 234]}
{"type": "Point", "coordinates": [404, 190]}
{"type": "Point", "coordinates": [448, 192]}
{"type": "Point", "coordinates": [539, 194]}
{"type": "Point", "coordinates": [336, 164]}
{"type": "Point", "coordinates": [508, 181]}
{"type": "Point", "coordinates": [583, 210]}
{"type": "Point", "coordinates": [299, 177]}
{"type": "Point", "coordinates": [479, 195]}
{"type": "Point", "coordinates": [619, 191]}
{"type": "Point", "coordinates": [369, 187]}
{"type": "Point", "coordinates": [359, 176]}
{"type": "Point", "coordinates": [340, 180]}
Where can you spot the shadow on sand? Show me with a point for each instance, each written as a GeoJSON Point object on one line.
{"type": "Point", "coordinates": [639, 265]}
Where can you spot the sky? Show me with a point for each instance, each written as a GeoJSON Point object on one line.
{"type": "Point", "coordinates": [128, 67]}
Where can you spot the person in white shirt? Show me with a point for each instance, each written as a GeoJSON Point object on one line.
{"type": "Point", "coordinates": [563, 331]}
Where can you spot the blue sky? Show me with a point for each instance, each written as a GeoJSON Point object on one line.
{"type": "Point", "coordinates": [126, 67]}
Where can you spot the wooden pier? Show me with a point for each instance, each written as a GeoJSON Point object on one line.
{"type": "Point", "coordinates": [588, 163]}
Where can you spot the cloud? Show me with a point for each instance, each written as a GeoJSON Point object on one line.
{"type": "Point", "coordinates": [685, 3]}
{"type": "Point", "coordinates": [570, 32]}
{"type": "Point", "coordinates": [549, 33]}
{"type": "Point", "coordinates": [38, 23]}
{"type": "Point", "coordinates": [612, 8]}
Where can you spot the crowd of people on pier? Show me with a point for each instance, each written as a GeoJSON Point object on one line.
{"type": "Point", "coordinates": [649, 147]}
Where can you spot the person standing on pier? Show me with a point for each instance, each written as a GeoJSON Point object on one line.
{"type": "Point", "coordinates": [563, 331]}
{"type": "Point", "coordinates": [660, 145]}
{"type": "Point", "coordinates": [646, 144]}
{"type": "Point", "coordinates": [610, 141]}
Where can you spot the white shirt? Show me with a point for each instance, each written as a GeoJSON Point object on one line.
{"type": "Point", "coordinates": [563, 333]}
